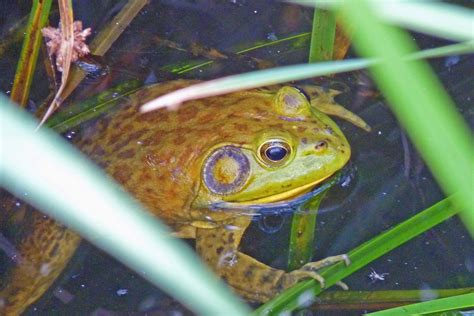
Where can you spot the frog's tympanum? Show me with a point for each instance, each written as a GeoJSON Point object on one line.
{"type": "Point", "coordinates": [245, 148]}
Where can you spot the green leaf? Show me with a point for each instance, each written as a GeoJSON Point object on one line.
{"type": "Point", "coordinates": [83, 111]}
{"type": "Point", "coordinates": [303, 223]}
{"type": "Point", "coordinates": [420, 103]}
{"type": "Point", "coordinates": [373, 300]}
{"type": "Point", "coordinates": [303, 226]}
{"type": "Point", "coordinates": [362, 255]}
{"type": "Point", "coordinates": [322, 36]}
{"type": "Point", "coordinates": [288, 73]}
{"type": "Point", "coordinates": [29, 52]}
{"type": "Point", "coordinates": [435, 306]}
{"type": "Point", "coordinates": [435, 18]}
{"type": "Point", "coordinates": [72, 190]}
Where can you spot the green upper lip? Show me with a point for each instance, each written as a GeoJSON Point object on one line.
{"type": "Point", "coordinates": [280, 205]}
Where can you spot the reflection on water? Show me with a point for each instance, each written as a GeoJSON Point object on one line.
{"type": "Point", "coordinates": [389, 182]}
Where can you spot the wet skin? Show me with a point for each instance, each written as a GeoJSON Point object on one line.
{"type": "Point", "coordinates": [247, 148]}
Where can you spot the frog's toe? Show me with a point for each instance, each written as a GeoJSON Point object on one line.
{"type": "Point", "coordinates": [308, 271]}
{"type": "Point", "coordinates": [346, 259]}
{"type": "Point", "coordinates": [293, 277]}
{"type": "Point", "coordinates": [312, 266]}
{"type": "Point", "coordinates": [342, 285]}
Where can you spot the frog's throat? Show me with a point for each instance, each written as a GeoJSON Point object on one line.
{"type": "Point", "coordinates": [285, 195]}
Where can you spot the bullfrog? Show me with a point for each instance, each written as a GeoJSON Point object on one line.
{"type": "Point", "coordinates": [192, 167]}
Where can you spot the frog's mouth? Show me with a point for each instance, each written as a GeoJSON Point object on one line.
{"type": "Point", "coordinates": [282, 202]}
{"type": "Point", "coordinates": [287, 195]}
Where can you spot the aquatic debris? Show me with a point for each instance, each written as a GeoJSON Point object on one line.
{"type": "Point", "coordinates": [57, 44]}
{"type": "Point", "coordinates": [375, 276]}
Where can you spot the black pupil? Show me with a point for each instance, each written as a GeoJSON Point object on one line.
{"type": "Point", "coordinates": [276, 153]}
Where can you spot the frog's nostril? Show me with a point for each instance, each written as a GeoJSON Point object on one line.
{"type": "Point", "coordinates": [321, 145]}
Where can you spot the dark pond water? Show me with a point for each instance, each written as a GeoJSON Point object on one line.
{"type": "Point", "coordinates": [389, 182]}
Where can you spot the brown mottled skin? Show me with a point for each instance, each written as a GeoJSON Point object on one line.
{"type": "Point", "coordinates": [158, 157]}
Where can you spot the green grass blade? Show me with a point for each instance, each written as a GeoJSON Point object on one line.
{"type": "Point", "coordinates": [435, 306]}
{"type": "Point", "coordinates": [91, 108]}
{"type": "Point", "coordinates": [29, 52]}
{"type": "Point", "coordinates": [302, 234]}
{"type": "Point", "coordinates": [420, 103]}
{"type": "Point", "coordinates": [253, 80]}
{"type": "Point", "coordinates": [303, 224]}
{"type": "Point", "coordinates": [72, 190]}
{"type": "Point", "coordinates": [374, 300]}
{"type": "Point", "coordinates": [322, 36]}
{"type": "Point", "coordinates": [435, 18]}
{"type": "Point", "coordinates": [361, 256]}
{"type": "Point", "coordinates": [460, 48]}
{"type": "Point", "coordinates": [283, 74]}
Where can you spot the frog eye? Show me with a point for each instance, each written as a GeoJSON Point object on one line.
{"type": "Point", "coordinates": [274, 152]}
{"type": "Point", "coordinates": [226, 170]}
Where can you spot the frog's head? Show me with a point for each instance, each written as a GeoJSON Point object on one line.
{"type": "Point", "coordinates": [291, 148]}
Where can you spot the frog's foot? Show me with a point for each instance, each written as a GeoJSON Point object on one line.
{"type": "Point", "coordinates": [309, 271]}
{"type": "Point", "coordinates": [323, 100]}
{"type": "Point", "coordinates": [340, 111]}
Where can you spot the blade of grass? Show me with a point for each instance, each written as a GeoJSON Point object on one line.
{"type": "Point", "coordinates": [283, 74]}
{"type": "Point", "coordinates": [430, 118]}
{"type": "Point", "coordinates": [435, 18]}
{"type": "Point", "coordinates": [29, 52]}
{"type": "Point", "coordinates": [435, 306]}
{"type": "Point", "coordinates": [362, 255]}
{"type": "Point", "coordinates": [252, 80]}
{"type": "Point", "coordinates": [322, 36]}
{"type": "Point", "coordinates": [91, 108]}
{"type": "Point", "coordinates": [303, 225]}
{"type": "Point", "coordinates": [107, 217]}
{"type": "Point", "coordinates": [377, 300]}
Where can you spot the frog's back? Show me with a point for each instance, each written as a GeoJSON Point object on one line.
{"type": "Point", "coordinates": [156, 156]}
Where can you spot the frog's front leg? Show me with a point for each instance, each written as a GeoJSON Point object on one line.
{"type": "Point", "coordinates": [44, 250]}
{"type": "Point", "coordinates": [250, 278]}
